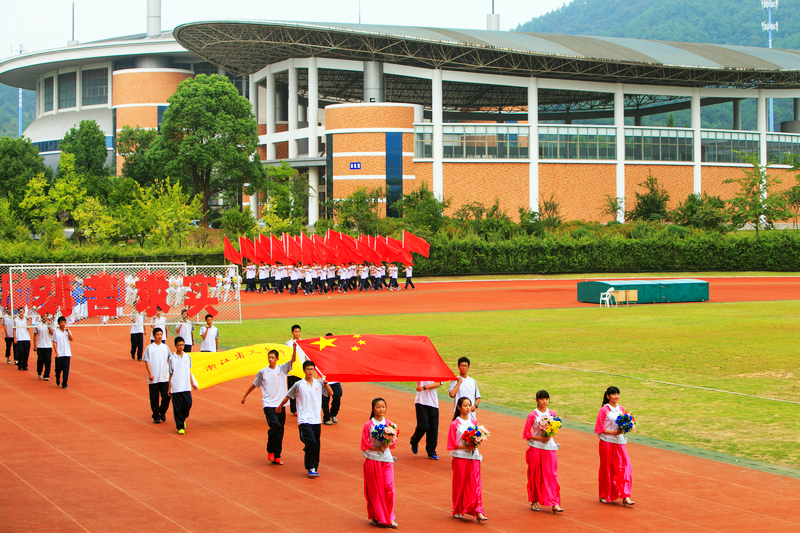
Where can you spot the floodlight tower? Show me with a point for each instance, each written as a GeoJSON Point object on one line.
{"type": "Point", "coordinates": [768, 27]}
{"type": "Point", "coordinates": [19, 134]}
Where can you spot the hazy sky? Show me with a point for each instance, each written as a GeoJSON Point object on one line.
{"type": "Point", "coordinates": [44, 24]}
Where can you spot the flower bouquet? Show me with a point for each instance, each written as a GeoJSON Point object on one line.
{"type": "Point", "coordinates": [385, 433]}
{"type": "Point", "coordinates": [626, 422]}
{"type": "Point", "coordinates": [549, 425]}
{"type": "Point", "coordinates": [474, 435]}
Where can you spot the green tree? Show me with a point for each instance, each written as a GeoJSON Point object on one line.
{"type": "Point", "coordinates": [359, 212]}
{"type": "Point", "coordinates": [652, 203]}
{"type": "Point", "coordinates": [209, 138]}
{"type": "Point", "coordinates": [702, 211]}
{"type": "Point", "coordinates": [19, 162]}
{"type": "Point", "coordinates": [236, 222]}
{"type": "Point", "coordinates": [287, 193]}
{"type": "Point", "coordinates": [35, 205]}
{"type": "Point", "coordinates": [88, 143]}
{"type": "Point", "coordinates": [550, 213]}
{"type": "Point", "coordinates": [68, 190]}
{"type": "Point", "coordinates": [93, 221]}
{"type": "Point", "coordinates": [754, 202]}
{"type": "Point", "coordinates": [612, 206]}
{"type": "Point", "coordinates": [792, 197]}
{"type": "Point", "coordinates": [11, 228]}
{"type": "Point", "coordinates": [134, 144]}
{"type": "Point", "coordinates": [422, 210]}
{"type": "Point", "coordinates": [167, 212]}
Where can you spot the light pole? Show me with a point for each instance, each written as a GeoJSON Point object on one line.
{"type": "Point", "coordinates": [768, 27]}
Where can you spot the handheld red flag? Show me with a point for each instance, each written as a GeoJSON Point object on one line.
{"type": "Point", "coordinates": [412, 243]}
{"type": "Point", "coordinates": [230, 252]}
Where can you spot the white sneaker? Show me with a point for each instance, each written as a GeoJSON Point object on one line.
{"type": "Point", "coordinates": [333, 418]}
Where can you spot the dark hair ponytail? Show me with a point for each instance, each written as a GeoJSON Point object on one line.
{"type": "Point", "coordinates": [609, 391]}
{"type": "Point", "coordinates": [457, 410]}
{"type": "Point", "coordinates": [372, 412]}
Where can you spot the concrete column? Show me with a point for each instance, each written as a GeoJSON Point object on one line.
{"type": "Point", "coordinates": [251, 88]}
{"type": "Point", "coordinates": [533, 144]}
{"type": "Point", "coordinates": [437, 118]}
{"type": "Point", "coordinates": [737, 114]}
{"type": "Point", "coordinates": [313, 107]}
{"type": "Point", "coordinates": [796, 102]}
{"type": "Point", "coordinates": [293, 94]}
{"type": "Point", "coordinates": [374, 85]}
{"type": "Point", "coordinates": [153, 18]}
{"type": "Point", "coordinates": [313, 196]}
{"type": "Point", "coordinates": [697, 142]}
{"type": "Point", "coordinates": [619, 124]}
{"type": "Point", "coordinates": [637, 120]}
{"type": "Point", "coordinates": [271, 115]}
{"type": "Point", "coordinates": [761, 126]}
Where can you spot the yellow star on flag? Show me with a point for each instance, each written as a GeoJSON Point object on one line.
{"type": "Point", "coordinates": [362, 342]}
{"type": "Point", "coordinates": [356, 336]}
{"type": "Point", "coordinates": [324, 342]}
{"type": "Point", "coordinates": [354, 348]}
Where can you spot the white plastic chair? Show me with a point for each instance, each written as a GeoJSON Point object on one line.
{"type": "Point", "coordinates": [606, 297]}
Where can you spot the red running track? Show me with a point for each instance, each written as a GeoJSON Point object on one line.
{"type": "Point", "coordinates": [90, 459]}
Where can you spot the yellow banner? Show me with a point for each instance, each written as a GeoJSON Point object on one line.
{"type": "Point", "coordinates": [211, 368]}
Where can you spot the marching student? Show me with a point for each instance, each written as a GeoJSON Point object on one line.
{"type": "Point", "coordinates": [210, 335]}
{"type": "Point", "coordinates": [426, 404]}
{"type": "Point", "coordinates": [43, 339]}
{"type": "Point", "coordinates": [137, 333]}
{"type": "Point", "coordinates": [263, 278]}
{"type": "Point", "coordinates": [8, 329]}
{"type": "Point", "coordinates": [291, 380]}
{"type": "Point", "coordinates": [466, 486]}
{"type": "Point", "coordinates": [378, 469]}
{"type": "Point", "coordinates": [62, 337]}
{"type": "Point", "coordinates": [616, 474]}
{"type": "Point", "coordinates": [250, 276]}
{"type": "Point", "coordinates": [156, 362]}
{"type": "Point", "coordinates": [272, 381]}
{"type": "Point", "coordinates": [465, 386]}
{"type": "Point", "coordinates": [393, 286]}
{"type": "Point", "coordinates": [159, 321]}
{"type": "Point", "coordinates": [308, 395]}
{"type": "Point", "coordinates": [181, 383]}
{"type": "Point", "coordinates": [22, 339]}
{"type": "Point", "coordinates": [409, 271]}
{"type": "Point", "coordinates": [185, 330]}
{"type": "Point", "coordinates": [541, 457]}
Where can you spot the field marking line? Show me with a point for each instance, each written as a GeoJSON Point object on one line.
{"type": "Point", "coordinates": [669, 383]}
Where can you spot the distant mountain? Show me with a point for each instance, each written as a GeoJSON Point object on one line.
{"type": "Point", "coordinates": [9, 98]}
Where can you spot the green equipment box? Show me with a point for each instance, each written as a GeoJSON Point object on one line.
{"type": "Point", "coordinates": [649, 291]}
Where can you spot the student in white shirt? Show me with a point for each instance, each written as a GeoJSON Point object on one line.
{"type": "Point", "coordinates": [426, 404]}
{"type": "Point", "coordinates": [62, 351]}
{"type": "Point", "coordinates": [185, 330]}
{"type": "Point", "coordinates": [464, 386]}
{"type": "Point", "coordinates": [308, 394]}
{"type": "Point", "coordinates": [250, 276]}
{"type": "Point", "coordinates": [409, 272]}
{"type": "Point", "coordinates": [272, 381]}
{"type": "Point", "coordinates": [156, 362]}
{"type": "Point", "coordinates": [210, 335]}
{"type": "Point", "coordinates": [158, 321]}
{"type": "Point", "coordinates": [181, 383]}
{"type": "Point", "coordinates": [22, 340]}
{"type": "Point", "coordinates": [263, 277]}
{"type": "Point", "coordinates": [291, 380]}
{"type": "Point", "coordinates": [137, 334]}
{"type": "Point", "coordinates": [43, 338]}
{"type": "Point", "coordinates": [8, 329]}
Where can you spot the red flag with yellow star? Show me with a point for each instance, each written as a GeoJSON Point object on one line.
{"type": "Point", "coordinates": [351, 358]}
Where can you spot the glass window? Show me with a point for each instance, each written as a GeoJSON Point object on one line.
{"type": "Point", "coordinates": [48, 94]}
{"type": "Point", "coordinates": [571, 142]}
{"type": "Point", "coordinates": [727, 146]}
{"type": "Point", "coordinates": [653, 144]}
{"type": "Point", "coordinates": [95, 86]}
{"type": "Point", "coordinates": [66, 90]}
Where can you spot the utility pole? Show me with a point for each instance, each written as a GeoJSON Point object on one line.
{"type": "Point", "coordinates": [19, 117]}
{"type": "Point", "coordinates": [768, 27]}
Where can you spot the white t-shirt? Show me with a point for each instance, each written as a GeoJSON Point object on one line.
{"type": "Point", "coordinates": [43, 337]}
{"type": "Point", "coordinates": [185, 330]}
{"type": "Point", "coordinates": [428, 397]}
{"type": "Point", "coordinates": [21, 330]}
{"type": "Point", "coordinates": [159, 323]}
{"type": "Point", "coordinates": [138, 323]}
{"type": "Point", "coordinates": [263, 272]}
{"type": "Point", "coordinates": [408, 271]}
{"type": "Point", "coordinates": [610, 424]}
{"type": "Point", "coordinates": [8, 323]}
{"type": "Point", "coordinates": [209, 344]}
{"type": "Point", "coordinates": [301, 355]}
{"type": "Point", "coordinates": [62, 343]}
{"type": "Point", "coordinates": [309, 401]}
{"type": "Point", "coordinates": [468, 389]}
{"type": "Point", "coordinates": [158, 357]}
{"type": "Point", "coordinates": [273, 384]}
{"type": "Point", "coordinates": [250, 271]}
{"type": "Point", "coordinates": [180, 368]}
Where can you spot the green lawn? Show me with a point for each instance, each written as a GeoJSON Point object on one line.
{"type": "Point", "coordinates": [749, 348]}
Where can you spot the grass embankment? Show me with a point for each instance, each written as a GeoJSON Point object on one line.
{"type": "Point", "coordinates": [748, 348]}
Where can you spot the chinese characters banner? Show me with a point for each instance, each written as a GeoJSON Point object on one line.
{"type": "Point", "coordinates": [123, 294]}
{"type": "Point", "coordinates": [211, 368]}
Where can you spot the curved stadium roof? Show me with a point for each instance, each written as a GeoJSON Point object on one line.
{"type": "Point", "coordinates": [245, 47]}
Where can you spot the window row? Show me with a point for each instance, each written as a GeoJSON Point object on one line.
{"type": "Point", "coordinates": [94, 89]}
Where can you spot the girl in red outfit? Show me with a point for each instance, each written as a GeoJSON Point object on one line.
{"type": "Point", "coordinates": [378, 469]}
{"type": "Point", "coordinates": [467, 498]}
{"type": "Point", "coordinates": [541, 458]}
{"type": "Point", "coordinates": [616, 475]}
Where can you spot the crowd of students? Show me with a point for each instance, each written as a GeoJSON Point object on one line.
{"type": "Point", "coordinates": [51, 337]}
{"type": "Point", "coordinates": [325, 278]}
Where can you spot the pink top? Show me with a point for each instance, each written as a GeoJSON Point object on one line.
{"type": "Point", "coordinates": [607, 421]}
{"type": "Point", "coordinates": [526, 433]}
{"type": "Point", "coordinates": [454, 435]}
{"type": "Point", "coordinates": [366, 438]}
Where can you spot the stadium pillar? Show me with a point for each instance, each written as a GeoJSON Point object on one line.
{"type": "Point", "coordinates": [313, 195]}
{"type": "Point", "coordinates": [761, 126]}
{"type": "Point", "coordinates": [374, 85]}
{"type": "Point", "coordinates": [533, 144]}
{"type": "Point", "coordinates": [697, 143]}
{"type": "Point", "coordinates": [796, 102]}
{"type": "Point", "coordinates": [437, 117]}
{"type": "Point", "coordinates": [619, 124]}
{"type": "Point", "coordinates": [293, 94]}
{"type": "Point", "coordinates": [312, 114]}
{"type": "Point", "coordinates": [737, 114]}
{"type": "Point", "coordinates": [271, 118]}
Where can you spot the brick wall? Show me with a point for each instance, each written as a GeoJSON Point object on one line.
{"type": "Point", "coordinates": [579, 188]}
{"type": "Point", "coordinates": [483, 182]}
{"type": "Point", "coordinates": [677, 180]}
{"type": "Point", "coordinates": [368, 116]}
{"type": "Point", "coordinates": [145, 87]}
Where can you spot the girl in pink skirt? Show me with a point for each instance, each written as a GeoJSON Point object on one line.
{"type": "Point", "coordinates": [616, 475]}
{"type": "Point", "coordinates": [541, 457]}
{"type": "Point", "coordinates": [378, 469]}
{"type": "Point", "coordinates": [467, 498]}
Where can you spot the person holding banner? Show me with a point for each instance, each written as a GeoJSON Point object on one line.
{"type": "Point", "coordinates": [22, 339]}
{"type": "Point", "coordinates": [8, 329]}
{"type": "Point", "coordinates": [156, 362]}
{"type": "Point", "coordinates": [137, 333]}
{"type": "Point", "coordinates": [185, 330]}
{"type": "Point", "coordinates": [63, 352]}
{"type": "Point", "coordinates": [291, 380]}
{"type": "Point", "coordinates": [180, 385]}
{"type": "Point", "coordinates": [308, 395]}
{"type": "Point", "coordinates": [210, 335]}
{"type": "Point", "coordinates": [272, 381]}
{"type": "Point", "coordinates": [158, 322]}
{"type": "Point", "coordinates": [43, 337]}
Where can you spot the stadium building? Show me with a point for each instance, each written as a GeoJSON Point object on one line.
{"type": "Point", "coordinates": [476, 115]}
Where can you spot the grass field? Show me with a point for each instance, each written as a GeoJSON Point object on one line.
{"type": "Point", "coordinates": [748, 348]}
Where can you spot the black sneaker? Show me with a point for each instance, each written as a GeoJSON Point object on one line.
{"type": "Point", "coordinates": [163, 418]}
{"type": "Point", "coordinates": [156, 421]}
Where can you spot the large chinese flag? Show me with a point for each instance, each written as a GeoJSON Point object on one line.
{"type": "Point", "coordinates": [211, 368]}
{"type": "Point", "coordinates": [377, 358]}
{"type": "Point", "coordinates": [412, 243]}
